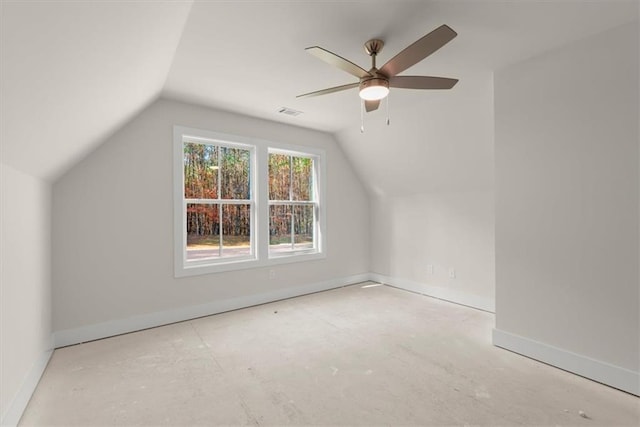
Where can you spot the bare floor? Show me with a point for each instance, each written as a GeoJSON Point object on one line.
{"type": "Point", "coordinates": [361, 355]}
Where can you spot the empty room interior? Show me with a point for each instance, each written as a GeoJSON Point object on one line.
{"type": "Point", "coordinates": [320, 213]}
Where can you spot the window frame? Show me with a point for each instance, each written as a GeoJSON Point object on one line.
{"type": "Point", "coordinates": [221, 202]}
{"type": "Point", "coordinates": [259, 199]}
{"type": "Point", "coordinates": [313, 202]}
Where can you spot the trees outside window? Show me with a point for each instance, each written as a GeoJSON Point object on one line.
{"type": "Point", "coordinates": [217, 201]}
{"type": "Point", "coordinates": [292, 205]}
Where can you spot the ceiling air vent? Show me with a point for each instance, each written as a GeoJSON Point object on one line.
{"type": "Point", "coordinates": [289, 111]}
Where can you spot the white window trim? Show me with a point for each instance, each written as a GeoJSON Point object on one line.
{"type": "Point", "coordinates": [260, 202]}
{"type": "Point", "coordinates": [317, 161]}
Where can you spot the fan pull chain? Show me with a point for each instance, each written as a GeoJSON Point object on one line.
{"type": "Point", "coordinates": [362, 116]}
{"type": "Point", "coordinates": [387, 102]}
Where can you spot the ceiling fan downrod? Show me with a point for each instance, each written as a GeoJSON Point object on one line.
{"type": "Point", "coordinates": [373, 47]}
{"type": "Point", "coordinates": [374, 85]}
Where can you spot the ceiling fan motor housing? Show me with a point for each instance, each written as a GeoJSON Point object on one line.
{"type": "Point", "coordinates": [375, 87]}
{"type": "Point", "coordinates": [376, 80]}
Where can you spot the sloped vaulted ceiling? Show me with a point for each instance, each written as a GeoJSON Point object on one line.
{"type": "Point", "coordinates": [73, 72]}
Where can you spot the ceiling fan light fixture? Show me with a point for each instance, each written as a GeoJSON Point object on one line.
{"type": "Point", "coordinates": [374, 89]}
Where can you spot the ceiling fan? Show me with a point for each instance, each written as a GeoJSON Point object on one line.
{"type": "Point", "coordinates": [374, 84]}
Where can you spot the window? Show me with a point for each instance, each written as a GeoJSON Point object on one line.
{"type": "Point", "coordinates": [292, 204]}
{"type": "Point", "coordinates": [217, 201]}
{"type": "Point", "coordinates": [242, 202]}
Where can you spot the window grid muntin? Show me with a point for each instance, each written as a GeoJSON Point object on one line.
{"type": "Point", "coordinates": [313, 191]}
{"type": "Point", "coordinates": [220, 201]}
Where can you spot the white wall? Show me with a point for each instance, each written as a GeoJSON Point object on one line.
{"type": "Point", "coordinates": [417, 240]}
{"type": "Point", "coordinates": [113, 225]}
{"type": "Point", "coordinates": [567, 206]}
{"type": "Point", "coordinates": [431, 188]}
{"type": "Point", "coordinates": [25, 287]}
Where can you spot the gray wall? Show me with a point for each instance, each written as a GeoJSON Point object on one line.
{"type": "Point", "coordinates": [25, 285]}
{"type": "Point", "coordinates": [113, 223]}
{"type": "Point", "coordinates": [567, 198]}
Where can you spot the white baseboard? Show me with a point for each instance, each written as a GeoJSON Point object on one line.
{"type": "Point", "coordinates": [602, 372]}
{"type": "Point", "coordinates": [14, 411]}
{"type": "Point", "coordinates": [151, 320]}
{"type": "Point", "coordinates": [451, 295]}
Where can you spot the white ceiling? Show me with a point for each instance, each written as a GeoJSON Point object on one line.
{"type": "Point", "coordinates": [249, 56]}
{"type": "Point", "coordinates": [73, 72]}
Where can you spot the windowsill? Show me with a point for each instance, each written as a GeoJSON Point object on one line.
{"type": "Point", "coordinates": [245, 264]}
{"type": "Point", "coordinates": [295, 257]}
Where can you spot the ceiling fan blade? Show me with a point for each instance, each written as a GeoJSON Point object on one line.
{"type": "Point", "coordinates": [371, 105]}
{"type": "Point", "coordinates": [337, 61]}
{"type": "Point", "coordinates": [418, 50]}
{"type": "Point", "coordinates": [329, 90]}
{"type": "Point", "coordinates": [422, 82]}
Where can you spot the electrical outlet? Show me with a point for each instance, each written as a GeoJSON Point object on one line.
{"type": "Point", "coordinates": [272, 274]}
{"type": "Point", "coordinates": [452, 273]}
{"type": "Point", "coordinates": [430, 268]}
